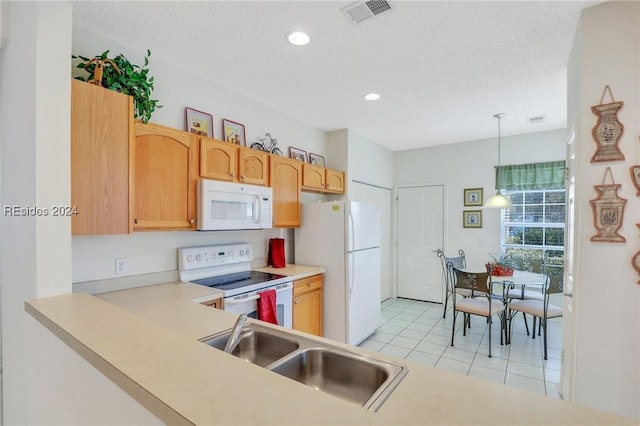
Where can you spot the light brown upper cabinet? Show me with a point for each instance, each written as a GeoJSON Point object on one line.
{"type": "Point", "coordinates": [101, 136]}
{"type": "Point", "coordinates": [313, 177]}
{"type": "Point", "coordinates": [224, 161]}
{"type": "Point", "coordinates": [166, 172]}
{"type": "Point", "coordinates": [319, 179]}
{"type": "Point", "coordinates": [253, 166]}
{"type": "Point", "coordinates": [335, 181]}
{"type": "Point", "coordinates": [286, 180]}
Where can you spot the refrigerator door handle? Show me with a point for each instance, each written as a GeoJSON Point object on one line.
{"type": "Point", "coordinates": [352, 273]}
{"type": "Point", "coordinates": [352, 234]}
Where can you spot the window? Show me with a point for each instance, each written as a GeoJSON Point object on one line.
{"type": "Point", "coordinates": [533, 229]}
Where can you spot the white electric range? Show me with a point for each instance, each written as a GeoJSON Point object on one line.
{"type": "Point", "coordinates": [228, 268]}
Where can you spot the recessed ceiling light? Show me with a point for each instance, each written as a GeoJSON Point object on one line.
{"type": "Point", "coordinates": [372, 96]}
{"type": "Point", "coordinates": [298, 38]}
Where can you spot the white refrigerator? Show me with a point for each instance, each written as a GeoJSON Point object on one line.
{"type": "Point", "coordinates": [344, 238]}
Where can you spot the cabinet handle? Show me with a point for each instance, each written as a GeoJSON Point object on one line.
{"type": "Point", "coordinates": [296, 302]}
{"type": "Point", "coordinates": [233, 175]}
{"type": "Point", "coordinates": [191, 221]}
{"type": "Point", "coordinates": [243, 177]}
{"type": "Point", "coordinates": [309, 283]}
{"type": "Point", "coordinates": [135, 221]}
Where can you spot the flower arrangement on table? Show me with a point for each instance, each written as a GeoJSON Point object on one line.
{"type": "Point", "coordinates": [500, 266]}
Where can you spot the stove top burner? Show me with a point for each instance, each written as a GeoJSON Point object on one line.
{"type": "Point", "coordinates": [237, 280]}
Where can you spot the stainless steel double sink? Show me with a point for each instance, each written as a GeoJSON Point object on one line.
{"type": "Point", "coordinates": [351, 376]}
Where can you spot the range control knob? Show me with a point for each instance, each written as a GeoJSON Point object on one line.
{"type": "Point", "coordinates": [189, 258]}
{"type": "Point", "coordinates": [247, 252]}
{"type": "Point", "coordinates": [241, 252]}
{"type": "Point", "coordinates": [198, 257]}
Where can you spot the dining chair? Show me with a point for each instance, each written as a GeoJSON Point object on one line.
{"type": "Point", "coordinates": [448, 263]}
{"type": "Point", "coordinates": [535, 264]}
{"type": "Point", "coordinates": [482, 301]}
{"type": "Point", "coordinates": [541, 310]}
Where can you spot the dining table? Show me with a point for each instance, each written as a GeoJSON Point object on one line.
{"type": "Point", "coordinates": [521, 278]}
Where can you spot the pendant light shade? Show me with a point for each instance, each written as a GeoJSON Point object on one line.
{"type": "Point", "coordinates": [498, 201]}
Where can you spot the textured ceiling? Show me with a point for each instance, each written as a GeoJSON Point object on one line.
{"type": "Point", "coordinates": [443, 68]}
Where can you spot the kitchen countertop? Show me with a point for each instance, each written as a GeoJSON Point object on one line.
{"type": "Point", "coordinates": [295, 271]}
{"type": "Point", "coordinates": [151, 350]}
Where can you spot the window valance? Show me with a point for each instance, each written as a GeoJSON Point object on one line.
{"type": "Point", "coordinates": [550, 175]}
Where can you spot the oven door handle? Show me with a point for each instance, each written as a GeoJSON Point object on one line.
{"type": "Point", "coordinates": [232, 301]}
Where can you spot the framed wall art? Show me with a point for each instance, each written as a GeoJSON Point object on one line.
{"type": "Point", "coordinates": [472, 219]}
{"type": "Point", "coordinates": [234, 132]}
{"type": "Point", "coordinates": [473, 197]}
{"type": "Point", "coordinates": [199, 122]}
{"type": "Point", "coordinates": [608, 211]}
{"type": "Point", "coordinates": [298, 154]}
{"type": "Point", "coordinates": [608, 129]}
{"type": "Point", "coordinates": [316, 160]}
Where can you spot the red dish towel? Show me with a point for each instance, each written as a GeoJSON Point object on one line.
{"type": "Point", "coordinates": [275, 255]}
{"type": "Point", "coordinates": [267, 306]}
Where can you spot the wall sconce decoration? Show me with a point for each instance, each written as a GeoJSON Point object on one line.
{"type": "Point", "coordinates": [635, 261]}
{"type": "Point", "coordinates": [608, 130]}
{"type": "Point", "coordinates": [608, 211]}
{"type": "Point", "coordinates": [635, 178]}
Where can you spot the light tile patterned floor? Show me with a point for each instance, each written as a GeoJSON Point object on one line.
{"type": "Point", "coordinates": [416, 331]}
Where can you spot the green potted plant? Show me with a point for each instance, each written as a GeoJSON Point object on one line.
{"type": "Point", "coordinates": [500, 266]}
{"type": "Point", "coordinates": [121, 75]}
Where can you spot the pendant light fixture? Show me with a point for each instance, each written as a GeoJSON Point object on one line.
{"type": "Point", "coordinates": [498, 201]}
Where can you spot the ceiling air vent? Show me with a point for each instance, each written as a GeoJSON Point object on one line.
{"type": "Point", "coordinates": [363, 10]}
{"type": "Point", "coordinates": [537, 119]}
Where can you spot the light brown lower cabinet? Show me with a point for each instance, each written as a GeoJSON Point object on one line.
{"type": "Point", "coordinates": [307, 305]}
{"type": "Point", "coordinates": [215, 303]}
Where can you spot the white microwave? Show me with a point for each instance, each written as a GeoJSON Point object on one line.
{"type": "Point", "coordinates": [225, 205]}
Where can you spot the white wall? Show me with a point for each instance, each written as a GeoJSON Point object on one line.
{"type": "Point", "coordinates": [369, 162]}
{"type": "Point", "coordinates": [65, 389]}
{"type": "Point", "coordinates": [606, 297]}
{"type": "Point", "coordinates": [471, 165]}
{"type": "Point", "coordinates": [176, 88]}
{"type": "Point", "coordinates": [35, 251]}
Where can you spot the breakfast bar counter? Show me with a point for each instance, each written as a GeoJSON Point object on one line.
{"type": "Point", "coordinates": [146, 340]}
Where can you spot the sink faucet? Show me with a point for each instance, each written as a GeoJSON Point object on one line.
{"type": "Point", "coordinates": [235, 333]}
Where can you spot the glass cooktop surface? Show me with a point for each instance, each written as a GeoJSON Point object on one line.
{"type": "Point", "coordinates": [237, 280]}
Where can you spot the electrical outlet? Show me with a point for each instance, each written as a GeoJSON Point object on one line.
{"type": "Point", "coordinates": [121, 266]}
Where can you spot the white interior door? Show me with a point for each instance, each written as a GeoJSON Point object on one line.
{"type": "Point", "coordinates": [420, 224]}
{"type": "Point", "coordinates": [382, 196]}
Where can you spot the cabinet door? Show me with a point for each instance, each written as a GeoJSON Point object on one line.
{"type": "Point", "coordinates": [285, 179]}
{"type": "Point", "coordinates": [101, 136]}
{"type": "Point", "coordinates": [215, 303]}
{"type": "Point", "coordinates": [253, 166]}
{"type": "Point", "coordinates": [307, 313]}
{"type": "Point", "coordinates": [335, 181]}
{"type": "Point", "coordinates": [166, 170]}
{"type": "Point", "coordinates": [218, 160]}
{"type": "Point", "coordinates": [313, 177]}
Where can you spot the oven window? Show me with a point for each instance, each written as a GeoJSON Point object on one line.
{"type": "Point", "coordinates": [279, 314]}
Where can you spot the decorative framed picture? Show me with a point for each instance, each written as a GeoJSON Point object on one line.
{"type": "Point", "coordinates": [199, 122]}
{"type": "Point", "coordinates": [473, 197]}
{"type": "Point", "coordinates": [234, 132]}
{"type": "Point", "coordinates": [316, 160]}
{"type": "Point", "coordinates": [472, 219]}
{"type": "Point", "coordinates": [298, 154]}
